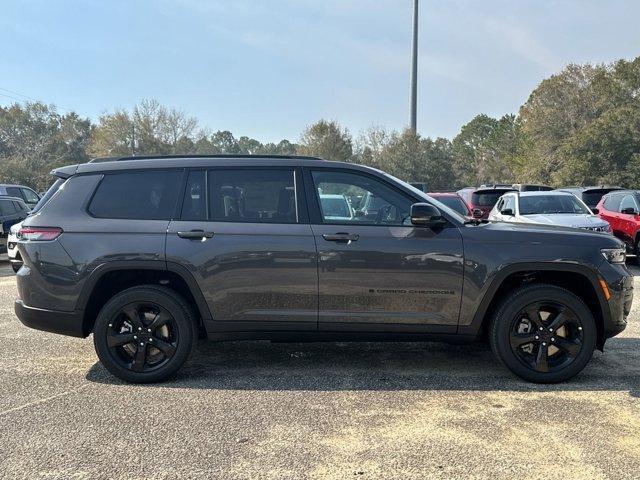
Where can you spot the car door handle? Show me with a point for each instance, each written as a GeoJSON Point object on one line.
{"type": "Point", "coordinates": [341, 237]}
{"type": "Point", "coordinates": [195, 234]}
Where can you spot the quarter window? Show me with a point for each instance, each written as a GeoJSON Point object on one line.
{"type": "Point", "coordinates": [256, 196]}
{"type": "Point", "coordinates": [143, 195]}
{"type": "Point", "coordinates": [30, 196]}
{"type": "Point", "coordinates": [346, 197]}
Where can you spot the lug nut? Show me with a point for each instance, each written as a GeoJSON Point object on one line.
{"type": "Point", "coordinates": [149, 330]}
{"type": "Point", "coordinates": [135, 337]}
{"type": "Point", "coordinates": [139, 328]}
{"type": "Point", "coordinates": [553, 339]}
{"type": "Point", "coordinates": [541, 328]}
{"type": "Point", "coordinates": [551, 329]}
{"type": "Point", "coordinates": [537, 337]}
{"type": "Point", "coordinates": [544, 344]}
{"type": "Point", "coordinates": [111, 325]}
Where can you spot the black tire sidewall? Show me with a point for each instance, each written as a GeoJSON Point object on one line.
{"type": "Point", "coordinates": [500, 332]}
{"type": "Point", "coordinates": [164, 297]}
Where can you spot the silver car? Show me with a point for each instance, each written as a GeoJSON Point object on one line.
{"type": "Point", "coordinates": [550, 208]}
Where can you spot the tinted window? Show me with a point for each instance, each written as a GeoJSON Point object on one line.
{"type": "Point", "coordinates": [455, 203]}
{"type": "Point", "coordinates": [194, 204]}
{"type": "Point", "coordinates": [14, 192]}
{"type": "Point", "coordinates": [30, 196]}
{"type": "Point", "coordinates": [592, 197]}
{"type": "Point", "coordinates": [257, 196]}
{"type": "Point", "coordinates": [372, 201]}
{"type": "Point", "coordinates": [7, 207]}
{"type": "Point", "coordinates": [144, 195]}
{"type": "Point", "coordinates": [486, 199]}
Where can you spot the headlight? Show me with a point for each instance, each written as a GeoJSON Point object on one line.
{"type": "Point", "coordinates": [614, 255]}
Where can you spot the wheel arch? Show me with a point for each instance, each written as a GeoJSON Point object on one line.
{"type": "Point", "coordinates": [112, 277]}
{"type": "Point", "coordinates": [579, 279]}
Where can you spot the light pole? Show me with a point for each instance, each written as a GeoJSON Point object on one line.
{"type": "Point", "coordinates": [414, 71]}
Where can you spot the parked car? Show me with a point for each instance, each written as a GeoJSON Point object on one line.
{"type": "Point", "coordinates": [12, 210]}
{"type": "Point", "coordinates": [621, 208]}
{"type": "Point", "coordinates": [590, 195]}
{"type": "Point", "coordinates": [335, 207]}
{"type": "Point", "coordinates": [453, 201]}
{"type": "Point", "coordinates": [12, 247]}
{"type": "Point", "coordinates": [241, 263]}
{"type": "Point", "coordinates": [551, 208]}
{"type": "Point", "coordinates": [25, 194]}
{"type": "Point", "coordinates": [525, 187]}
{"type": "Point", "coordinates": [481, 200]}
{"type": "Point", "coordinates": [422, 186]}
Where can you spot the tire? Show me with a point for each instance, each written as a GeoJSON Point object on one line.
{"type": "Point", "coordinates": [122, 327]}
{"type": "Point", "coordinates": [514, 324]}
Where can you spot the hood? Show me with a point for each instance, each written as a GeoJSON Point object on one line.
{"type": "Point", "coordinates": [572, 220]}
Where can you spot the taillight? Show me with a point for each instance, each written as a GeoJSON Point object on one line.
{"type": "Point", "coordinates": [39, 234]}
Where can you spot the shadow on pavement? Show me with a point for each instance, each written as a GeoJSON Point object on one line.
{"type": "Point", "coordinates": [381, 367]}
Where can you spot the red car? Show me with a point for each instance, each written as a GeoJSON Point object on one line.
{"type": "Point", "coordinates": [481, 200]}
{"type": "Point", "coordinates": [453, 201]}
{"type": "Point", "coordinates": [621, 209]}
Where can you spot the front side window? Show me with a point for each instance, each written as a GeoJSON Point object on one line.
{"type": "Point", "coordinates": [30, 196]}
{"type": "Point", "coordinates": [141, 195]}
{"type": "Point", "coordinates": [346, 197]}
{"type": "Point", "coordinates": [612, 203]}
{"type": "Point", "coordinates": [628, 202]}
{"type": "Point", "coordinates": [255, 196]}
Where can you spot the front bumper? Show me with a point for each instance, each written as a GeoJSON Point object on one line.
{"type": "Point", "coordinates": [64, 323]}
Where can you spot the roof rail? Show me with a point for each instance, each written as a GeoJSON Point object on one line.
{"type": "Point", "coordinates": [225, 155]}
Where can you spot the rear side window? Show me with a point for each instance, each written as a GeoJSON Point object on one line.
{"type": "Point", "coordinates": [14, 192]}
{"type": "Point", "coordinates": [142, 195]}
{"type": "Point", "coordinates": [256, 196]}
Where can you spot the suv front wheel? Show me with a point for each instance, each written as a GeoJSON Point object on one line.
{"type": "Point", "coordinates": [144, 334]}
{"type": "Point", "coordinates": [543, 333]}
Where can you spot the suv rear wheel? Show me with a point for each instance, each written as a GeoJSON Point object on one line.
{"type": "Point", "coordinates": [144, 334]}
{"type": "Point", "coordinates": [543, 333]}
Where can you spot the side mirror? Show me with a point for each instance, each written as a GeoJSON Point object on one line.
{"type": "Point", "coordinates": [425, 215]}
{"type": "Point", "coordinates": [477, 213]}
{"type": "Point", "coordinates": [595, 211]}
{"type": "Point", "coordinates": [507, 212]}
{"type": "Point", "coordinates": [629, 211]}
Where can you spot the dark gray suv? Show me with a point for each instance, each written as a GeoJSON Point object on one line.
{"type": "Point", "coordinates": [149, 253]}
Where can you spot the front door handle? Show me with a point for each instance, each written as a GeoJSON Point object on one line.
{"type": "Point", "coordinates": [341, 237]}
{"type": "Point", "coordinates": [195, 234]}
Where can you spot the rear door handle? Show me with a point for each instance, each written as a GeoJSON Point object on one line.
{"type": "Point", "coordinates": [341, 237]}
{"type": "Point", "coordinates": [195, 234]}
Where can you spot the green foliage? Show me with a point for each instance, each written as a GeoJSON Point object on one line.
{"type": "Point", "coordinates": [580, 126]}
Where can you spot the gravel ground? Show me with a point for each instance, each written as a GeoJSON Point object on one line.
{"type": "Point", "coordinates": [326, 410]}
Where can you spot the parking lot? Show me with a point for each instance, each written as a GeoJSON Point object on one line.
{"type": "Point", "coordinates": [328, 410]}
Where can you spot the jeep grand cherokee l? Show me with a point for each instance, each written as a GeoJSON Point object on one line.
{"type": "Point", "coordinates": [148, 253]}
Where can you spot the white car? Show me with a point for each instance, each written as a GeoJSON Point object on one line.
{"type": "Point", "coordinates": [549, 208]}
{"type": "Point", "coordinates": [12, 247]}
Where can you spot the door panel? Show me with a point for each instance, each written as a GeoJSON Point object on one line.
{"type": "Point", "coordinates": [253, 276]}
{"type": "Point", "coordinates": [391, 278]}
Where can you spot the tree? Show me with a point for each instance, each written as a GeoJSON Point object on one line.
{"type": "Point", "coordinates": [326, 139]}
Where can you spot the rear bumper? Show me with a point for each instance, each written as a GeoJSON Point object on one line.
{"type": "Point", "coordinates": [64, 323]}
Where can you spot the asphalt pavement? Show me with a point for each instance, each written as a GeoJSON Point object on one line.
{"type": "Point", "coordinates": [312, 410]}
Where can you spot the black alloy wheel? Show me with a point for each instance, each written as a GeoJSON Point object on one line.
{"type": "Point", "coordinates": [145, 334]}
{"type": "Point", "coordinates": [543, 333]}
{"type": "Point", "coordinates": [142, 336]}
{"type": "Point", "coordinates": [546, 336]}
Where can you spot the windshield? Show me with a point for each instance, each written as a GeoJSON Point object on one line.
{"type": "Point", "coordinates": [420, 194]}
{"type": "Point", "coordinates": [456, 203]}
{"type": "Point", "coordinates": [550, 204]}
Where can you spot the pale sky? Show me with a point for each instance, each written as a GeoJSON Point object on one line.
{"type": "Point", "coordinates": [267, 69]}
